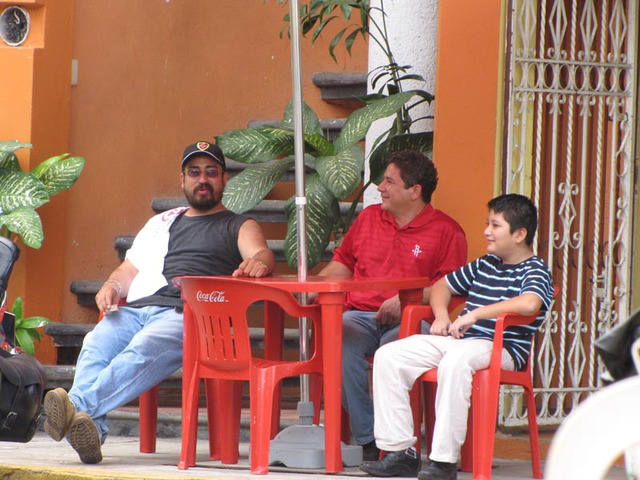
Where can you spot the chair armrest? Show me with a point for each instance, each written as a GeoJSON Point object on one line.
{"type": "Point", "coordinates": [413, 315]}
{"type": "Point", "coordinates": [503, 321]}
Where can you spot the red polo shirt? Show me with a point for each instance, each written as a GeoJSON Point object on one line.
{"type": "Point", "coordinates": [431, 245]}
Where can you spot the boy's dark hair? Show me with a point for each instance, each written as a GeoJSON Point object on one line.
{"type": "Point", "coordinates": [519, 211]}
{"type": "Point", "coordinates": [416, 169]}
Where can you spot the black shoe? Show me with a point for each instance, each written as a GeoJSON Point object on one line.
{"type": "Point", "coordinates": [439, 471]}
{"type": "Point", "coordinates": [370, 452]}
{"type": "Point", "coordinates": [405, 463]}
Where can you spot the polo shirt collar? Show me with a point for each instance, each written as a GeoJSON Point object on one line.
{"type": "Point", "coordinates": [421, 219]}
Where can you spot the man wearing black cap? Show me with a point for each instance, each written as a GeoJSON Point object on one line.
{"type": "Point", "coordinates": [136, 346]}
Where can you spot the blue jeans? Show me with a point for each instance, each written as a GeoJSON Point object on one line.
{"type": "Point", "coordinates": [361, 337]}
{"type": "Point", "coordinates": [127, 353]}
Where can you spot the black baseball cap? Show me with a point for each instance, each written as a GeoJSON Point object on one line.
{"type": "Point", "coordinates": [204, 148]}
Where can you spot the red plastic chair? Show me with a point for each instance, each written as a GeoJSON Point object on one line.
{"type": "Point", "coordinates": [217, 349]}
{"type": "Point", "coordinates": [345, 424]}
{"type": "Point", "coordinates": [477, 451]}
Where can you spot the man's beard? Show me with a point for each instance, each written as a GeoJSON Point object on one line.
{"type": "Point", "coordinates": [202, 203]}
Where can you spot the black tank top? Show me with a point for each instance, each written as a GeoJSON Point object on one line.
{"type": "Point", "coordinates": [202, 245]}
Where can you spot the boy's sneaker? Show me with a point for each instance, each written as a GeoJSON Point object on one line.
{"type": "Point", "coordinates": [439, 471]}
{"type": "Point", "coordinates": [84, 437]}
{"type": "Point", "coordinates": [404, 463]}
{"type": "Point", "coordinates": [59, 412]}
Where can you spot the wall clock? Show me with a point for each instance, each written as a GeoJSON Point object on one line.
{"type": "Point", "coordinates": [14, 25]}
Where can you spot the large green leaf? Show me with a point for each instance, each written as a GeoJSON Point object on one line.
{"type": "Point", "coordinates": [59, 173]}
{"type": "Point", "coordinates": [342, 173]}
{"type": "Point", "coordinates": [25, 342]}
{"type": "Point", "coordinates": [359, 122]}
{"type": "Point", "coordinates": [26, 223]}
{"type": "Point", "coordinates": [321, 145]}
{"type": "Point", "coordinates": [310, 121]}
{"type": "Point", "coordinates": [256, 145]}
{"type": "Point", "coordinates": [379, 159]}
{"type": "Point", "coordinates": [20, 189]}
{"type": "Point", "coordinates": [7, 158]}
{"type": "Point", "coordinates": [322, 211]}
{"type": "Point", "coordinates": [33, 322]}
{"type": "Point", "coordinates": [13, 145]}
{"type": "Point", "coordinates": [245, 190]}
{"type": "Point", "coordinates": [9, 161]}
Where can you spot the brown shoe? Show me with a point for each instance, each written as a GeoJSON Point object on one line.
{"type": "Point", "coordinates": [84, 437]}
{"type": "Point", "coordinates": [59, 412]}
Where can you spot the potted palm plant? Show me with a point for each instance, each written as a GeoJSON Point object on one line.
{"type": "Point", "coordinates": [21, 193]}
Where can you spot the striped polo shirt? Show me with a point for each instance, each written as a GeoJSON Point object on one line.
{"type": "Point", "coordinates": [487, 280]}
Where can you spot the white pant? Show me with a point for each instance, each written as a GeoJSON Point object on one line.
{"type": "Point", "coordinates": [396, 367]}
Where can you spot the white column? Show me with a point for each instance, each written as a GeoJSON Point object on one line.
{"type": "Point", "coordinates": [412, 29]}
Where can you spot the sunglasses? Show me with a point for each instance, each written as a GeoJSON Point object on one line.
{"type": "Point", "coordinates": [194, 172]}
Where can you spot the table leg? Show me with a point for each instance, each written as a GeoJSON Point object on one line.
{"type": "Point", "coordinates": [331, 306]}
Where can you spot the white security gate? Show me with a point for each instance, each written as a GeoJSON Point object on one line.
{"type": "Point", "coordinates": [569, 143]}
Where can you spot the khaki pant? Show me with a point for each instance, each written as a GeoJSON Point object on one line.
{"type": "Point", "coordinates": [396, 367]}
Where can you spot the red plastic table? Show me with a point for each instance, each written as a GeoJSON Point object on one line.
{"type": "Point", "coordinates": [331, 293]}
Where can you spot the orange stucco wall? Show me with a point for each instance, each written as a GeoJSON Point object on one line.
{"type": "Point", "coordinates": [467, 124]}
{"type": "Point", "coordinates": [153, 76]}
{"type": "Point", "coordinates": [34, 94]}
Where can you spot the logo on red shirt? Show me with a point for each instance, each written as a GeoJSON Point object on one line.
{"type": "Point", "coordinates": [416, 250]}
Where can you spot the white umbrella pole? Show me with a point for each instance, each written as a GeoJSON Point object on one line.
{"type": "Point", "coordinates": [301, 199]}
{"type": "Point", "coordinates": [302, 446]}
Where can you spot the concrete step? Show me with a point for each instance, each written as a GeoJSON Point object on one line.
{"type": "Point", "coordinates": [341, 88]}
{"type": "Point", "coordinates": [331, 129]}
{"type": "Point", "coordinates": [67, 338]}
{"type": "Point", "coordinates": [125, 422]}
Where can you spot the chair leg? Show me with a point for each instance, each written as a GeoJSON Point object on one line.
{"type": "Point", "coordinates": [485, 411]}
{"type": "Point", "coordinates": [345, 426]}
{"type": "Point", "coordinates": [189, 424]}
{"type": "Point", "coordinates": [261, 400]}
{"type": "Point", "coordinates": [229, 419]}
{"type": "Point", "coordinates": [273, 347]}
{"type": "Point", "coordinates": [213, 409]}
{"type": "Point", "coordinates": [416, 401]}
{"type": "Point", "coordinates": [148, 405]}
{"type": "Point", "coordinates": [466, 452]}
{"type": "Point", "coordinates": [429, 407]}
{"type": "Point", "coordinates": [315, 395]}
{"type": "Point", "coordinates": [534, 439]}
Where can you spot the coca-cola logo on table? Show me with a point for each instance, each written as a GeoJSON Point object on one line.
{"type": "Point", "coordinates": [216, 296]}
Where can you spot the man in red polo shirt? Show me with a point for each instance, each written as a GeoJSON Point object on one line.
{"type": "Point", "coordinates": [404, 236]}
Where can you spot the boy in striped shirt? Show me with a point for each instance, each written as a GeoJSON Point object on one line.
{"type": "Point", "coordinates": [510, 278]}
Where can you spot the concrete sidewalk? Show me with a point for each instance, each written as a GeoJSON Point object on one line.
{"type": "Point", "coordinates": [45, 459]}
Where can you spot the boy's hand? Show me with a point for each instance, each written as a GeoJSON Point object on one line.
{"type": "Point", "coordinates": [462, 324]}
{"type": "Point", "coordinates": [440, 326]}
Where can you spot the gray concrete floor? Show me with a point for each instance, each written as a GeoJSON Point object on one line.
{"type": "Point", "coordinates": [45, 459]}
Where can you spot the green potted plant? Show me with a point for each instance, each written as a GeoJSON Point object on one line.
{"type": "Point", "coordinates": [334, 168]}
{"type": "Point", "coordinates": [21, 193]}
